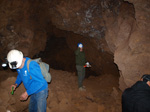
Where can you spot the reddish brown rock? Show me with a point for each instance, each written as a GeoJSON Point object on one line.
{"type": "Point", "coordinates": [111, 30]}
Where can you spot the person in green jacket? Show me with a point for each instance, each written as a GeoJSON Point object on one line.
{"type": "Point", "coordinates": [80, 63]}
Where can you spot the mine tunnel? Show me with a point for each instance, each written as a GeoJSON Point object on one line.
{"type": "Point", "coordinates": [115, 38]}
{"type": "Point", "coordinates": [61, 57]}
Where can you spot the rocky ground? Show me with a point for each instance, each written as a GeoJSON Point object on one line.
{"type": "Point", "coordinates": [101, 95]}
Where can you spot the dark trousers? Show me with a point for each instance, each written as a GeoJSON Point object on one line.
{"type": "Point", "coordinates": [81, 75]}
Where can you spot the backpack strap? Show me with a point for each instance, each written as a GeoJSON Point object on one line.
{"type": "Point", "coordinates": [28, 62]}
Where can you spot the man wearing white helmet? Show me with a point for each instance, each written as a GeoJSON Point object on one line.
{"type": "Point", "coordinates": [80, 62]}
{"type": "Point", "coordinates": [35, 84]}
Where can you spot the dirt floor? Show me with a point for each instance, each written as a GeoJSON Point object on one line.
{"type": "Point", "coordinates": [101, 95]}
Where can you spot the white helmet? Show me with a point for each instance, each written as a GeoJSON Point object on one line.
{"type": "Point", "coordinates": [14, 58]}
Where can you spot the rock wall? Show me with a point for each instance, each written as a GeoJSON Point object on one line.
{"type": "Point", "coordinates": [107, 27]}
{"type": "Point", "coordinates": [22, 27]}
{"type": "Point", "coordinates": [132, 56]}
{"type": "Point", "coordinates": [31, 22]}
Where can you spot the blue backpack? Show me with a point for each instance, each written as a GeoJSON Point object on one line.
{"type": "Point", "coordinates": [44, 68]}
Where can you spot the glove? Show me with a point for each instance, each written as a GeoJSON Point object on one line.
{"type": "Point", "coordinates": [87, 64]}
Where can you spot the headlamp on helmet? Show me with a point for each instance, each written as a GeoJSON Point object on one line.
{"type": "Point", "coordinates": [5, 63]}
{"type": "Point", "coordinates": [80, 45]}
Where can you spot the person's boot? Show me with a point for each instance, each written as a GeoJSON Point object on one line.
{"type": "Point", "coordinates": [82, 89]}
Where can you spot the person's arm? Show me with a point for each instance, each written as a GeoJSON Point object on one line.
{"type": "Point", "coordinates": [18, 81]}
{"type": "Point", "coordinates": [37, 78]}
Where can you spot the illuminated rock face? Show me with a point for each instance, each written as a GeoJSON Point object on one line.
{"type": "Point", "coordinates": [132, 58]}
{"type": "Point", "coordinates": [112, 31]}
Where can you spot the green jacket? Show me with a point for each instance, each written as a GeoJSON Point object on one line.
{"type": "Point", "coordinates": [80, 57]}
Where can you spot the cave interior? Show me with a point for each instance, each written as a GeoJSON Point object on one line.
{"type": "Point", "coordinates": [114, 33]}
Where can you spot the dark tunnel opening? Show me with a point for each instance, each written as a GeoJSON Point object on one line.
{"type": "Point", "coordinates": [59, 56]}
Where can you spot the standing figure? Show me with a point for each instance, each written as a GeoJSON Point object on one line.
{"type": "Point", "coordinates": [35, 84]}
{"type": "Point", "coordinates": [80, 62]}
{"type": "Point", "coordinates": [137, 98]}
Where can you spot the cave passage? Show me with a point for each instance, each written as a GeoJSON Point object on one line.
{"type": "Point", "coordinates": [60, 57]}
{"type": "Point", "coordinates": [58, 54]}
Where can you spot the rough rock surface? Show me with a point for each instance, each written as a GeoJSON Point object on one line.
{"type": "Point", "coordinates": [21, 28]}
{"type": "Point", "coordinates": [132, 57]}
{"type": "Point", "coordinates": [109, 28]}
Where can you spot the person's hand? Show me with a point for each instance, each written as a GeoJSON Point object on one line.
{"type": "Point", "coordinates": [24, 96]}
{"type": "Point", "coordinates": [14, 87]}
{"type": "Point", "coordinates": [87, 64]}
